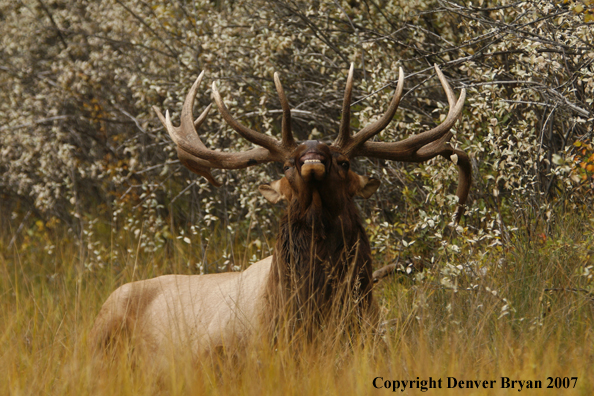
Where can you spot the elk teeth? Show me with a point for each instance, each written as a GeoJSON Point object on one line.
{"type": "Point", "coordinates": [313, 161]}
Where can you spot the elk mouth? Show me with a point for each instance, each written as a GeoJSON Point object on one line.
{"type": "Point", "coordinates": [313, 166]}
{"type": "Point", "coordinates": [312, 157]}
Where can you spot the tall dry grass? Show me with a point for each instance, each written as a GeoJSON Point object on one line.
{"type": "Point", "coordinates": [522, 312]}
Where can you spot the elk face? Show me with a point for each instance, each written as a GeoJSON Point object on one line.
{"type": "Point", "coordinates": [318, 175]}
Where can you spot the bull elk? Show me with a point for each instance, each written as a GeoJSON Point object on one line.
{"type": "Point", "coordinates": [322, 257]}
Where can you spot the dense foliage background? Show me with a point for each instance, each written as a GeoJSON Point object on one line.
{"type": "Point", "coordinates": [92, 194]}
{"type": "Point", "coordinates": [82, 148]}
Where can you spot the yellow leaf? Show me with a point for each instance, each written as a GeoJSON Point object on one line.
{"type": "Point", "coordinates": [578, 8]}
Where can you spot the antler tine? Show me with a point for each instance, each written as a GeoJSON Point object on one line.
{"type": "Point", "coordinates": [373, 129]}
{"type": "Point", "coordinates": [446, 87]}
{"type": "Point", "coordinates": [182, 137]}
{"type": "Point", "coordinates": [390, 151]}
{"type": "Point", "coordinates": [287, 136]}
{"type": "Point", "coordinates": [187, 109]}
{"type": "Point", "coordinates": [268, 142]}
{"type": "Point", "coordinates": [407, 148]}
{"type": "Point", "coordinates": [178, 134]}
{"type": "Point", "coordinates": [344, 133]}
{"type": "Point", "coordinates": [415, 142]}
{"type": "Point", "coordinates": [460, 159]}
{"type": "Point", "coordinates": [197, 165]}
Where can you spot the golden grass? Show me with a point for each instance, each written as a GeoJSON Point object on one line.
{"type": "Point", "coordinates": [48, 303]}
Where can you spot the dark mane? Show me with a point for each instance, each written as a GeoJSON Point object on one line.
{"type": "Point", "coordinates": [322, 262]}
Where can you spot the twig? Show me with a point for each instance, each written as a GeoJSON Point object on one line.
{"type": "Point", "coordinates": [143, 22]}
{"type": "Point", "coordinates": [54, 24]}
{"type": "Point", "coordinates": [41, 121]}
{"type": "Point", "coordinates": [150, 168]}
{"type": "Point", "coordinates": [183, 191]}
{"type": "Point", "coordinates": [383, 272]}
{"type": "Point", "coordinates": [358, 37]}
{"type": "Point", "coordinates": [124, 112]}
{"type": "Point", "coordinates": [20, 228]}
{"type": "Point", "coordinates": [588, 294]}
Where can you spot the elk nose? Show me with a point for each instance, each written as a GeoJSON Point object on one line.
{"type": "Point", "coordinates": [313, 169]}
{"type": "Point", "coordinates": [313, 166]}
{"type": "Point", "coordinates": [313, 161]}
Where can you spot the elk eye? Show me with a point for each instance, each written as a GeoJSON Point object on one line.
{"type": "Point", "coordinates": [345, 165]}
{"type": "Point", "coordinates": [286, 168]}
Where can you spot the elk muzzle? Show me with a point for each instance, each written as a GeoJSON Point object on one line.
{"type": "Point", "coordinates": [312, 167]}
{"type": "Point", "coordinates": [313, 162]}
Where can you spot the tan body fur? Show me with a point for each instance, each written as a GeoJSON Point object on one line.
{"type": "Point", "coordinates": [184, 312]}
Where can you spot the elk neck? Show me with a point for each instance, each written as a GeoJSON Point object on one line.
{"type": "Point", "coordinates": [321, 211]}
{"type": "Point", "coordinates": [322, 249]}
{"type": "Point", "coordinates": [320, 261]}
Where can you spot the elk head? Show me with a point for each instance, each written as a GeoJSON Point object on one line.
{"type": "Point", "coordinates": [317, 179]}
{"type": "Point", "coordinates": [317, 174]}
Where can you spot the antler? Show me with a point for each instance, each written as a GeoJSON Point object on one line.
{"type": "Point", "coordinates": [198, 158]}
{"type": "Point", "coordinates": [417, 148]}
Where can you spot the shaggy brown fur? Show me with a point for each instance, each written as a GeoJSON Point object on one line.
{"type": "Point", "coordinates": [322, 260]}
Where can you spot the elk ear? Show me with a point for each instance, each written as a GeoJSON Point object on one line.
{"type": "Point", "coordinates": [276, 191]}
{"type": "Point", "coordinates": [364, 186]}
{"type": "Point", "coordinates": [369, 187]}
